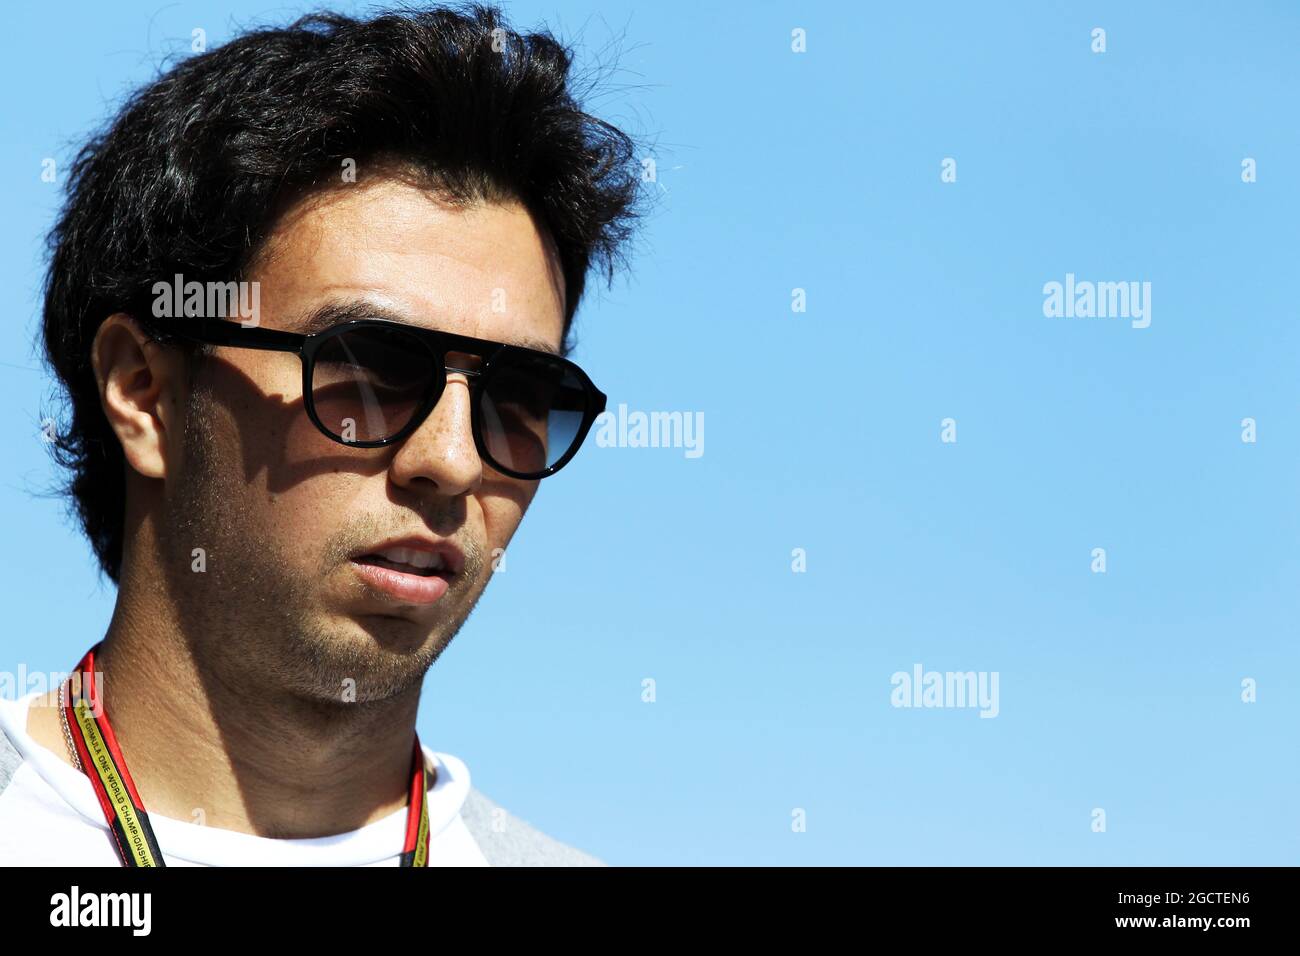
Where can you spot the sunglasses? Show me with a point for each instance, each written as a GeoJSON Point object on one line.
{"type": "Point", "coordinates": [367, 383]}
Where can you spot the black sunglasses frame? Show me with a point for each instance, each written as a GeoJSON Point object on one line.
{"type": "Point", "coordinates": [493, 355]}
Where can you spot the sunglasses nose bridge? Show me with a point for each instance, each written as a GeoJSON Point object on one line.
{"type": "Point", "coordinates": [438, 386]}
{"type": "Point", "coordinates": [438, 389]}
{"type": "Point", "coordinates": [460, 363]}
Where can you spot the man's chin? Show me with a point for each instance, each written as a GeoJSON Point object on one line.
{"type": "Point", "coordinates": [368, 656]}
{"type": "Point", "coordinates": [383, 630]}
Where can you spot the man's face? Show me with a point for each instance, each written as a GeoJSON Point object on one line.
{"type": "Point", "coordinates": [279, 509]}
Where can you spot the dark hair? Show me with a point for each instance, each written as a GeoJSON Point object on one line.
{"type": "Point", "coordinates": [189, 176]}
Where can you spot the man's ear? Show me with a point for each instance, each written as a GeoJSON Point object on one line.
{"type": "Point", "coordinates": [140, 387]}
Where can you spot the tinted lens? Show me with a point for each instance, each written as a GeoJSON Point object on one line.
{"type": "Point", "coordinates": [368, 383]}
{"type": "Point", "coordinates": [532, 408]}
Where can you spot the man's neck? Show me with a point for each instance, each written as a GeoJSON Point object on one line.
{"type": "Point", "coordinates": [208, 747]}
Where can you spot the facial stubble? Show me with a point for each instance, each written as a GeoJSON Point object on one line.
{"type": "Point", "coordinates": [253, 615]}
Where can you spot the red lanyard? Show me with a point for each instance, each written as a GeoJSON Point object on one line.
{"type": "Point", "coordinates": [102, 761]}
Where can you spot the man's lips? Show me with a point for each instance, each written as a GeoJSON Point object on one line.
{"type": "Point", "coordinates": [402, 587]}
{"type": "Point", "coordinates": [416, 553]}
{"type": "Point", "coordinates": [410, 570]}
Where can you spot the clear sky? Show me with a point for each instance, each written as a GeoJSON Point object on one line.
{"type": "Point", "coordinates": [772, 737]}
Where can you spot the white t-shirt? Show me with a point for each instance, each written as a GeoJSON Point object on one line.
{"type": "Point", "coordinates": [49, 816]}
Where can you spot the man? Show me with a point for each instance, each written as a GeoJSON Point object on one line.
{"type": "Point", "coordinates": [301, 492]}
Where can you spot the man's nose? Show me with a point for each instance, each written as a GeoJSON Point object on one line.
{"type": "Point", "coordinates": [442, 450]}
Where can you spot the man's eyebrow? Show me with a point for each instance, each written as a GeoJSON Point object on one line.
{"type": "Point", "coordinates": [335, 313]}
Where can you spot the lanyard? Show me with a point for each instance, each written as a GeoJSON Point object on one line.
{"type": "Point", "coordinates": [102, 761]}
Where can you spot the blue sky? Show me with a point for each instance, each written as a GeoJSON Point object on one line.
{"type": "Point", "coordinates": [821, 171]}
